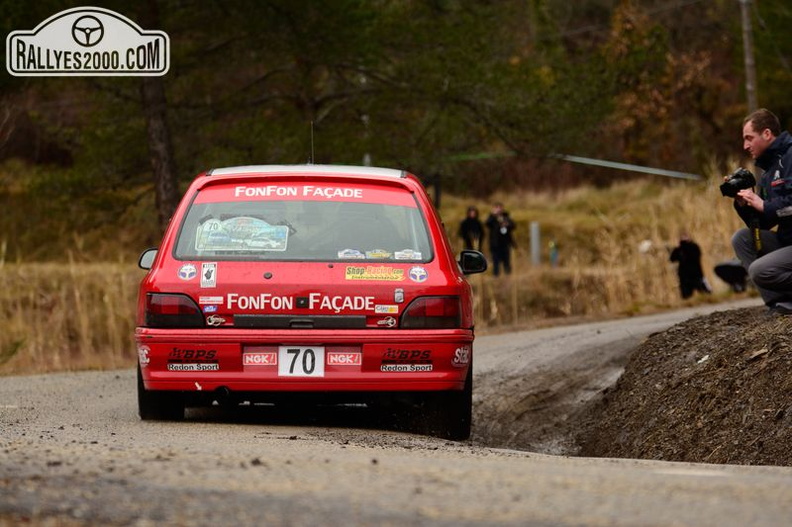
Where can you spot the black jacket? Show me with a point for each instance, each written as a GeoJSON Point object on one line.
{"type": "Point", "coordinates": [472, 233]}
{"type": "Point", "coordinates": [775, 188]}
{"type": "Point", "coordinates": [500, 227]}
{"type": "Point", "coordinates": [688, 254]}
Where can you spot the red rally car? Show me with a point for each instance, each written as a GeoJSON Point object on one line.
{"type": "Point", "coordinates": [330, 284]}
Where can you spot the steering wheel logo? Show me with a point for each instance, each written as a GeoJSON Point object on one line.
{"type": "Point", "coordinates": [87, 31]}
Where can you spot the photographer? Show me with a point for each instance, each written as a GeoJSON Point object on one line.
{"type": "Point", "coordinates": [766, 254]}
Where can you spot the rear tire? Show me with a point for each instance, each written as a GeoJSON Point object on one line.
{"type": "Point", "coordinates": [448, 415]}
{"type": "Point", "coordinates": [158, 405]}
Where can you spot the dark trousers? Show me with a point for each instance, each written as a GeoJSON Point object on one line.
{"type": "Point", "coordinates": [772, 272]}
{"type": "Point", "coordinates": [690, 284]}
{"type": "Point", "coordinates": [501, 256]}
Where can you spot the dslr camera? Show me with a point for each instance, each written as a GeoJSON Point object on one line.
{"type": "Point", "coordinates": [738, 180]}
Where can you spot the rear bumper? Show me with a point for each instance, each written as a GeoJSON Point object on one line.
{"type": "Point", "coordinates": [352, 361]}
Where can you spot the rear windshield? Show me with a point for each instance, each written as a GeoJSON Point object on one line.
{"type": "Point", "coordinates": [304, 222]}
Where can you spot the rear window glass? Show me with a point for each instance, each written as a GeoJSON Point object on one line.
{"type": "Point", "coordinates": [304, 222]}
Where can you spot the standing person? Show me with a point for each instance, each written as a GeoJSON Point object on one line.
{"type": "Point", "coordinates": [471, 230]}
{"type": "Point", "coordinates": [770, 268]}
{"type": "Point", "coordinates": [691, 276]}
{"type": "Point", "coordinates": [553, 251]}
{"type": "Point", "coordinates": [500, 227]}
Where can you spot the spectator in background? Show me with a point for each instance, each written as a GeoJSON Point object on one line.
{"type": "Point", "coordinates": [500, 228]}
{"type": "Point", "coordinates": [553, 251]}
{"type": "Point", "coordinates": [691, 276]}
{"type": "Point", "coordinates": [471, 230]}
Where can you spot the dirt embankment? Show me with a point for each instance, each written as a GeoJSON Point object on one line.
{"type": "Point", "coordinates": [713, 389]}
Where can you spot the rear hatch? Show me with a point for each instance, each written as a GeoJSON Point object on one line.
{"type": "Point", "coordinates": [309, 253]}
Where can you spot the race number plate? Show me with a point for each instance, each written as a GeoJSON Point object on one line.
{"type": "Point", "coordinates": [301, 361]}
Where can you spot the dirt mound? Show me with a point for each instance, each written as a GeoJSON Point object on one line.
{"type": "Point", "coordinates": [713, 389]}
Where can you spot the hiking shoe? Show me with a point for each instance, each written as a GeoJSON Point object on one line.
{"type": "Point", "coordinates": [779, 310]}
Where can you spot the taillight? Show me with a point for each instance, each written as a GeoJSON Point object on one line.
{"type": "Point", "coordinates": [165, 310]}
{"type": "Point", "coordinates": [432, 312]}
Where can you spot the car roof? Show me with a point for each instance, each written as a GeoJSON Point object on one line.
{"type": "Point", "coordinates": [309, 169]}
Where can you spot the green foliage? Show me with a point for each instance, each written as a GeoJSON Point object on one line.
{"type": "Point", "coordinates": [771, 21]}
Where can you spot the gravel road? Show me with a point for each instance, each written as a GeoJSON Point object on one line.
{"type": "Point", "coordinates": [73, 452]}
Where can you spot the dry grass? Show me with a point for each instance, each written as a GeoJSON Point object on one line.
{"type": "Point", "coordinates": [614, 250]}
{"type": "Point", "coordinates": [72, 316]}
{"type": "Point", "coordinates": [67, 316]}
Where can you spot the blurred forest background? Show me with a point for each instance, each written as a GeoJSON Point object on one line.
{"type": "Point", "coordinates": [480, 95]}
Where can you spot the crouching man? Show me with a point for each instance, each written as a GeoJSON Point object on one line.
{"type": "Point", "coordinates": [767, 254]}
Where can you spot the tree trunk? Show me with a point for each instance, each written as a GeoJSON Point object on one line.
{"type": "Point", "coordinates": [160, 149]}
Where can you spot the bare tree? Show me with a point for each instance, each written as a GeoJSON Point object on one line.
{"type": "Point", "coordinates": [160, 145]}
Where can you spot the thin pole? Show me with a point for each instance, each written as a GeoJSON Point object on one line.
{"type": "Point", "coordinates": [750, 64]}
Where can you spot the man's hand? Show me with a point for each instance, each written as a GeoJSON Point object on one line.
{"type": "Point", "coordinates": [750, 198]}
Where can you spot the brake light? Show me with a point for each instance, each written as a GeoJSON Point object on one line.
{"type": "Point", "coordinates": [432, 312]}
{"type": "Point", "coordinates": [167, 310]}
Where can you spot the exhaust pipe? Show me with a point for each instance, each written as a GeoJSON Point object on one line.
{"type": "Point", "coordinates": [223, 396]}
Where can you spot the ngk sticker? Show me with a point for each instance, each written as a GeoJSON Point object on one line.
{"type": "Point", "coordinates": [344, 358]}
{"type": "Point", "coordinates": [265, 358]}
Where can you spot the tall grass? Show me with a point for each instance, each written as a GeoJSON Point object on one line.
{"type": "Point", "coordinates": [69, 316]}
{"type": "Point", "coordinates": [614, 246]}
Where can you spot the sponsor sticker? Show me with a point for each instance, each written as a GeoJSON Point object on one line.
{"type": "Point", "coordinates": [412, 355]}
{"type": "Point", "coordinates": [260, 358]}
{"type": "Point", "coordinates": [387, 322]}
{"type": "Point", "coordinates": [187, 272]}
{"type": "Point", "coordinates": [192, 354]}
{"type": "Point", "coordinates": [382, 309]}
{"type": "Point", "coordinates": [398, 296]}
{"type": "Point", "coordinates": [307, 191]}
{"type": "Point", "coordinates": [351, 254]}
{"type": "Point", "coordinates": [418, 274]}
{"type": "Point", "coordinates": [314, 301]}
{"type": "Point", "coordinates": [208, 300]}
{"type": "Point", "coordinates": [344, 358]}
{"type": "Point", "coordinates": [408, 368]}
{"type": "Point", "coordinates": [407, 254]}
{"type": "Point", "coordinates": [214, 320]}
{"type": "Point", "coordinates": [461, 356]}
{"type": "Point", "coordinates": [210, 309]}
{"type": "Point", "coordinates": [193, 366]}
{"type": "Point", "coordinates": [241, 233]}
{"type": "Point", "coordinates": [87, 41]}
{"type": "Point", "coordinates": [143, 355]}
{"type": "Point", "coordinates": [381, 254]}
{"type": "Point", "coordinates": [209, 274]}
{"type": "Point", "coordinates": [374, 272]}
